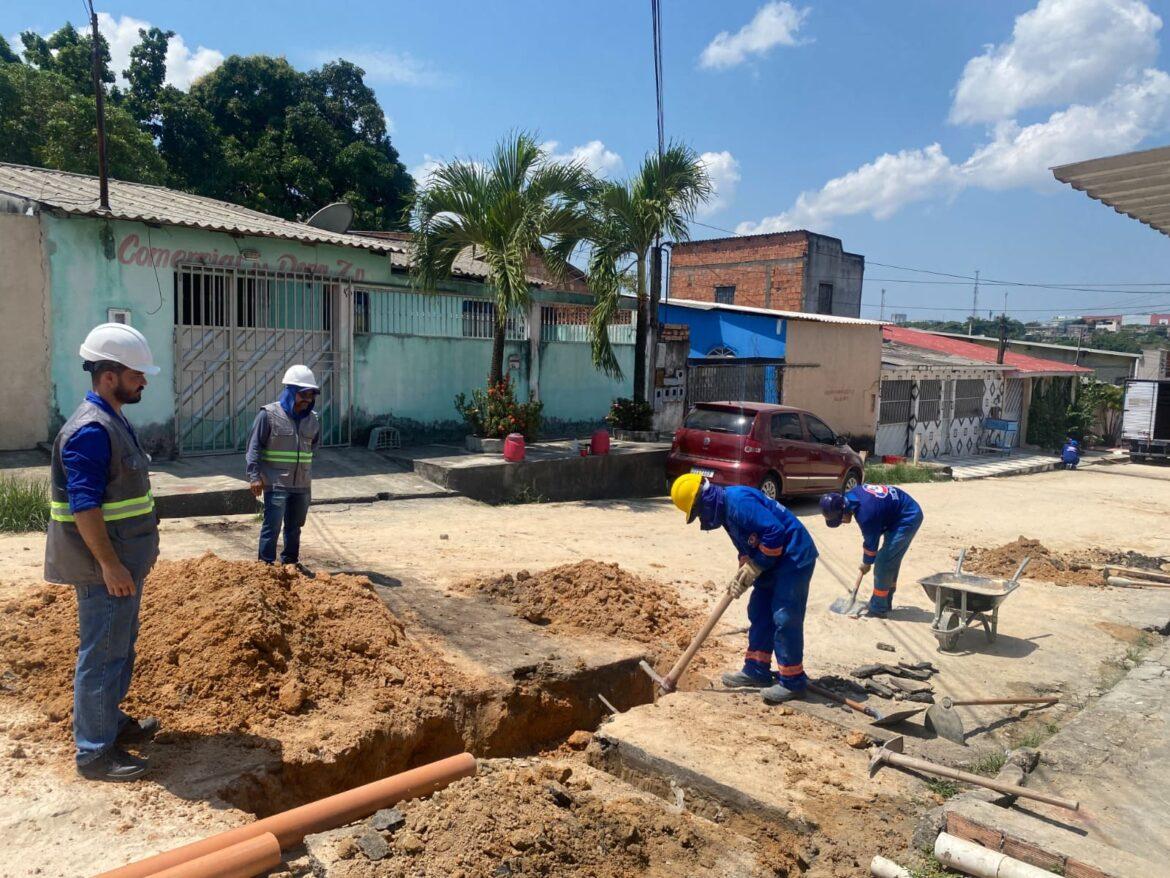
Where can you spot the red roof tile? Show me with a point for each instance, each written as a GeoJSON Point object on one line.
{"type": "Point", "coordinates": [1022, 363]}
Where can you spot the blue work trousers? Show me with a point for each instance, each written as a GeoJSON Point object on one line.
{"type": "Point", "coordinates": [287, 508]}
{"type": "Point", "coordinates": [888, 563]}
{"type": "Point", "coordinates": [108, 630]}
{"type": "Point", "coordinates": [776, 613]}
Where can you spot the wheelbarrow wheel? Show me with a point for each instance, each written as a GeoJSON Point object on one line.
{"type": "Point", "coordinates": [950, 626]}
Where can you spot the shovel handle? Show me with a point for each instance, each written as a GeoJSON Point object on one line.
{"type": "Point", "coordinates": [671, 679]}
{"type": "Point", "coordinates": [1031, 700]}
{"type": "Point", "coordinates": [841, 699]}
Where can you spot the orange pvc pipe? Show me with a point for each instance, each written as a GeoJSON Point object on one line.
{"type": "Point", "coordinates": [290, 827]}
{"type": "Point", "coordinates": [241, 860]}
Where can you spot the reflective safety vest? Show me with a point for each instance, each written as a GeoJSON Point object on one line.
{"type": "Point", "coordinates": [127, 506]}
{"type": "Point", "coordinates": [286, 461]}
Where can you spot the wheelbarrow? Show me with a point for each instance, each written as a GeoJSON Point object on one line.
{"type": "Point", "coordinates": [962, 600]}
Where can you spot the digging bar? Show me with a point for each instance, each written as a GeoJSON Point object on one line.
{"type": "Point", "coordinates": [890, 753]}
{"type": "Point", "coordinates": [670, 681]}
{"type": "Point", "coordinates": [946, 723]}
{"type": "Point", "coordinates": [875, 718]}
{"type": "Point", "coordinates": [843, 607]}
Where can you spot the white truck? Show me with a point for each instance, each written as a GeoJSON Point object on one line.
{"type": "Point", "coordinates": [1145, 424]}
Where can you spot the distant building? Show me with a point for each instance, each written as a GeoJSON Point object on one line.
{"type": "Point", "coordinates": [899, 319]}
{"type": "Point", "coordinates": [787, 271]}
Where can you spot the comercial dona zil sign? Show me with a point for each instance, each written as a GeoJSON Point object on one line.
{"type": "Point", "coordinates": [131, 251]}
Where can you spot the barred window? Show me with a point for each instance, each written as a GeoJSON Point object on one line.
{"type": "Point", "coordinates": [929, 398]}
{"type": "Point", "coordinates": [895, 402]}
{"type": "Point", "coordinates": [969, 398]}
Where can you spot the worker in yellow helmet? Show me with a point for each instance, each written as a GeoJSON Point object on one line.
{"type": "Point", "coordinates": [776, 560]}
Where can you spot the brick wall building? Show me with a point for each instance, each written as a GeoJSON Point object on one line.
{"type": "Point", "coordinates": [785, 271]}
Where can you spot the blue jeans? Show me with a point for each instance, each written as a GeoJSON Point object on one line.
{"type": "Point", "coordinates": [290, 509]}
{"type": "Point", "coordinates": [108, 630]}
{"type": "Point", "coordinates": [888, 563]}
{"type": "Point", "coordinates": [776, 612]}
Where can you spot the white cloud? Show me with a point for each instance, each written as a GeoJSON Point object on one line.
{"type": "Point", "coordinates": [1061, 52]}
{"type": "Point", "coordinates": [386, 67]}
{"type": "Point", "coordinates": [183, 65]}
{"type": "Point", "coordinates": [1127, 106]}
{"type": "Point", "coordinates": [723, 171]}
{"type": "Point", "coordinates": [595, 155]}
{"type": "Point", "coordinates": [423, 170]}
{"type": "Point", "coordinates": [775, 24]}
{"type": "Point", "coordinates": [878, 188]}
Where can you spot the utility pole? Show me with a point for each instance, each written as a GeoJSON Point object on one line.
{"type": "Point", "coordinates": [882, 310]}
{"type": "Point", "coordinates": [1002, 337]}
{"type": "Point", "coordinates": [656, 251]}
{"type": "Point", "coordinates": [974, 306]}
{"type": "Point", "coordinates": [100, 105]}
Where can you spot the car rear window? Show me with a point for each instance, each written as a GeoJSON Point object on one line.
{"type": "Point", "coordinates": [720, 421]}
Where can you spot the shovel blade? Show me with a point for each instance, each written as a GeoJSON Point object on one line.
{"type": "Point", "coordinates": [946, 723]}
{"type": "Point", "coordinates": [897, 716]}
{"type": "Point", "coordinates": [847, 606]}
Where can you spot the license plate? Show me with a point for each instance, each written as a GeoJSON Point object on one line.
{"type": "Point", "coordinates": [706, 473]}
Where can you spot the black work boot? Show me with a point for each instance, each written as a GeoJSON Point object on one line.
{"type": "Point", "coordinates": [115, 766]}
{"type": "Point", "coordinates": [137, 731]}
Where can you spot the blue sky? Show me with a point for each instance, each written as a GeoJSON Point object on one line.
{"type": "Point", "coordinates": [919, 132]}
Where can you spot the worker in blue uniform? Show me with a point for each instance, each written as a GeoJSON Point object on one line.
{"type": "Point", "coordinates": [880, 511]}
{"type": "Point", "coordinates": [777, 558]}
{"type": "Point", "coordinates": [1070, 455]}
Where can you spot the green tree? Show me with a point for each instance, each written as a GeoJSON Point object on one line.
{"type": "Point", "coordinates": [660, 200]}
{"type": "Point", "coordinates": [146, 74]}
{"type": "Point", "coordinates": [518, 205]}
{"type": "Point", "coordinates": [7, 56]}
{"type": "Point", "coordinates": [70, 54]}
{"type": "Point", "coordinates": [45, 122]}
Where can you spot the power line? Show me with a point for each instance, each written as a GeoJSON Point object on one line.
{"type": "Point", "coordinates": [1159, 308]}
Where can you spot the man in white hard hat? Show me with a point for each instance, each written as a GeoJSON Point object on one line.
{"type": "Point", "coordinates": [103, 540]}
{"type": "Point", "coordinates": [280, 463]}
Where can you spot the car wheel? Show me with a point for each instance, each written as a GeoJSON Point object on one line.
{"type": "Point", "coordinates": [771, 486]}
{"type": "Point", "coordinates": [851, 481]}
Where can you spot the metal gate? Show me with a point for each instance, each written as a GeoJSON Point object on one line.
{"type": "Point", "coordinates": [736, 380]}
{"type": "Point", "coordinates": [236, 331]}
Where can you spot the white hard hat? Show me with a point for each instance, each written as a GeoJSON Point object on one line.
{"type": "Point", "coordinates": [121, 344]}
{"type": "Point", "coordinates": [301, 376]}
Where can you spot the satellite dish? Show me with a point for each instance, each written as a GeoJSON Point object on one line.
{"type": "Point", "coordinates": [336, 217]}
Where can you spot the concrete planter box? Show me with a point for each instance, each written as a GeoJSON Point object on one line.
{"type": "Point", "coordinates": [484, 446]}
{"type": "Point", "coordinates": [635, 435]}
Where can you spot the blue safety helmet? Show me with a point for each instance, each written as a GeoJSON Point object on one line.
{"type": "Point", "coordinates": [833, 508]}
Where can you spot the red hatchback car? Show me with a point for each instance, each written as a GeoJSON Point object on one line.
{"type": "Point", "coordinates": [781, 450]}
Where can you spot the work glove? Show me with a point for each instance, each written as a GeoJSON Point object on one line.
{"type": "Point", "coordinates": [864, 569]}
{"type": "Point", "coordinates": [744, 579]}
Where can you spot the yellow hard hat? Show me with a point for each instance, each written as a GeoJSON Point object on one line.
{"type": "Point", "coordinates": [685, 494]}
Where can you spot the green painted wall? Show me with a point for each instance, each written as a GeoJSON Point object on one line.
{"type": "Point", "coordinates": [572, 390]}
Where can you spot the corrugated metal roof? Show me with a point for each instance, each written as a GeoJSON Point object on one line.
{"type": "Point", "coordinates": [465, 266]}
{"type": "Point", "coordinates": [768, 312]}
{"type": "Point", "coordinates": [77, 194]}
{"type": "Point", "coordinates": [1021, 363]}
{"type": "Point", "coordinates": [901, 356]}
{"type": "Point", "coordinates": [1136, 184]}
{"type": "Point", "coordinates": [1043, 344]}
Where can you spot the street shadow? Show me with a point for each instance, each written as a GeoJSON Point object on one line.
{"type": "Point", "coordinates": [379, 579]}
{"type": "Point", "coordinates": [634, 505]}
{"type": "Point", "coordinates": [1006, 720]}
{"type": "Point", "coordinates": [973, 641]}
{"type": "Point", "coordinates": [908, 613]}
{"type": "Point", "coordinates": [211, 768]}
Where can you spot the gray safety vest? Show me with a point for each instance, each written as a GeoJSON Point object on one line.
{"type": "Point", "coordinates": [287, 460]}
{"type": "Point", "coordinates": [127, 506]}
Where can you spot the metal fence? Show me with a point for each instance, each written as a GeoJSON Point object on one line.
{"type": "Point", "coordinates": [236, 332]}
{"type": "Point", "coordinates": [734, 380]}
{"type": "Point", "coordinates": [436, 315]}
{"type": "Point", "coordinates": [895, 402]}
{"type": "Point", "coordinates": [571, 323]}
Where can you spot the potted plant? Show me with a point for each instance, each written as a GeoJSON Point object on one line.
{"type": "Point", "coordinates": [493, 413]}
{"type": "Point", "coordinates": [632, 420]}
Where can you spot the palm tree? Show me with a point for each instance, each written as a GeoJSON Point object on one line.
{"type": "Point", "coordinates": [628, 217]}
{"type": "Point", "coordinates": [518, 205]}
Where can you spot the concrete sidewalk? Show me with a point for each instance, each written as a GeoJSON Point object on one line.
{"type": "Point", "coordinates": [215, 484]}
{"type": "Point", "coordinates": [1019, 463]}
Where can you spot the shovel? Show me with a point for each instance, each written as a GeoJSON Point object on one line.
{"type": "Point", "coordinates": [668, 683]}
{"type": "Point", "coordinates": [875, 718]}
{"type": "Point", "coordinates": [850, 606]}
{"type": "Point", "coordinates": [946, 723]}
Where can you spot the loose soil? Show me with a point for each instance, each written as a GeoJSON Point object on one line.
{"type": "Point", "coordinates": [598, 598]}
{"type": "Point", "coordinates": [1062, 568]}
{"type": "Point", "coordinates": [229, 646]}
{"type": "Point", "coordinates": [545, 820]}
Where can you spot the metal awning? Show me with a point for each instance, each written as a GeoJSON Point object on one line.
{"type": "Point", "coordinates": [1136, 184]}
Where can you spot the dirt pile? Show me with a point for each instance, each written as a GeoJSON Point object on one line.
{"type": "Point", "coordinates": [600, 599]}
{"type": "Point", "coordinates": [1063, 568]}
{"type": "Point", "coordinates": [544, 821]}
{"type": "Point", "coordinates": [228, 646]}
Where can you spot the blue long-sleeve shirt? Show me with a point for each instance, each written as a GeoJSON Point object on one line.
{"type": "Point", "coordinates": [86, 458]}
{"type": "Point", "coordinates": [879, 509]}
{"type": "Point", "coordinates": [765, 531]}
{"type": "Point", "coordinates": [256, 443]}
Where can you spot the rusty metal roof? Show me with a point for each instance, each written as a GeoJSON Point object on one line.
{"type": "Point", "coordinates": [770, 312]}
{"type": "Point", "coordinates": [1136, 184]}
{"type": "Point", "coordinates": [77, 195]}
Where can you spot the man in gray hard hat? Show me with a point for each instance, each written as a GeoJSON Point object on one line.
{"type": "Point", "coordinates": [280, 463]}
{"type": "Point", "coordinates": [103, 540]}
